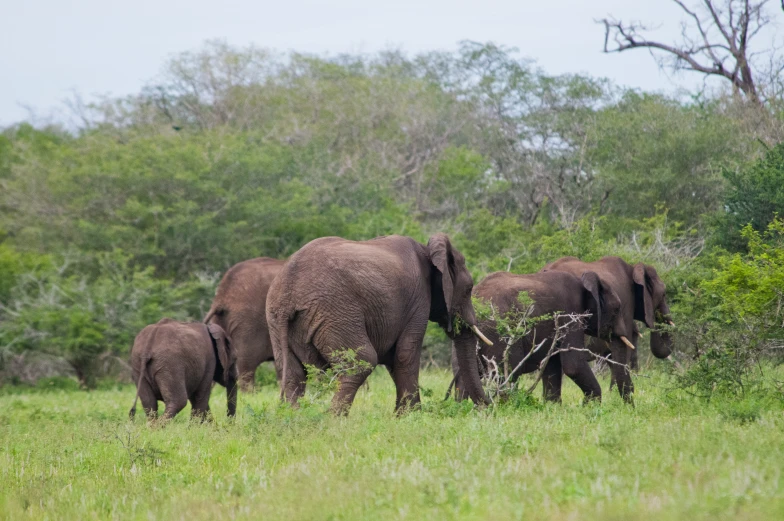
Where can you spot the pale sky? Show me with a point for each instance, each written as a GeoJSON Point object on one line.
{"type": "Point", "coordinates": [51, 48]}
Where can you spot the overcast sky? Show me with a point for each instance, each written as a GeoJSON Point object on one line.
{"type": "Point", "coordinates": [51, 48]}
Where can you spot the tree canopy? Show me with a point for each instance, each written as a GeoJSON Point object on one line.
{"type": "Point", "coordinates": [233, 153]}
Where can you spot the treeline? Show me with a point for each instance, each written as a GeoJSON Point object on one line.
{"type": "Point", "coordinates": [238, 153]}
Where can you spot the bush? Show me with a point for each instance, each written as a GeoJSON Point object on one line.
{"type": "Point", "coordinates": [736, 317]}
{"type": "Point", "coordinates": [754, 195]}
{"type": "Point", "coordinates": [62, 312]}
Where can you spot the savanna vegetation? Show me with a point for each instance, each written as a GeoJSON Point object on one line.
{"type": "Point", "coordinates": [233, 153]}
{"type": "Point", "coordinates": [68, 454]}
{"type": "Point", "coordinates": [237, 153]}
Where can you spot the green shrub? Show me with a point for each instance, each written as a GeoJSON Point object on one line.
{"type": "Point", "coordinates": [754, 195]}
{"type": "Point", "coordinates": [62, 312]}
{"type": "Point", "coordinates": [736, 316]}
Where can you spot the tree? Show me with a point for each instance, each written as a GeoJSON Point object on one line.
{"type": "Point", "coordinates": [754, 196]}
{"type": "Point", "coordinates": [532, 128]}
{"type": "Point", "coordinates": [715, 41]}
{"type": "Point", "coordinates": [654, 152]}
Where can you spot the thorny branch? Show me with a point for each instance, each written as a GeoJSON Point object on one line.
{"type": "Point", "coordinates": [500, 381]}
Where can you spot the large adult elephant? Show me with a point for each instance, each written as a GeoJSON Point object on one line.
{"type": "Point", "coordinates": [551, 292]}
{"type": "Point", "coordinates": [643, 298]}
{"type": "Point", "coordinates": [374, 297]}
{"type": "Point", "coordinates": [239, 308]}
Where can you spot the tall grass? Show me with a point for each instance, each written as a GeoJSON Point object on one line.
{"type": "Point", "coordinates": [68, 454]}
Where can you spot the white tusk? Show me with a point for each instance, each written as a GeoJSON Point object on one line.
{"type": "Point", "coordinates": [481, 336]}
{"type": "Point", "coordinates": [626, 341]}
{"type": "Point", "coordinates": [670, 322]}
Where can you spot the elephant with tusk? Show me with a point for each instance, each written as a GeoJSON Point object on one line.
{"type": "Point", "coordinates": [551, 293]}
{"type": "Point", "coordinates": [375, 298]}
{"type": "Point", "coordinates": [643, 298]}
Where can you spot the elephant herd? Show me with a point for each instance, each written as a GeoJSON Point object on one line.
{"type": "Point", "coordinates": [374, 298]}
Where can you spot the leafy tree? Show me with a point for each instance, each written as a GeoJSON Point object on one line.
{"type": "Point", "coordinates": [652, 152]}
{"type": "Point", "coordinates": [233, 153]}
{"type": "Point", "coordinates": [754, 196]}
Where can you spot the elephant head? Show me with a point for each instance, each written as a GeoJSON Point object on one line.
{"type": "Point", "coordinates": [226, 368]}
{"type": "Point", "coordinates": [451, 296]}
{"type": "Point", "coordinates": [650, 306]}
{"type": "Point", "coordinates": [604, 305]}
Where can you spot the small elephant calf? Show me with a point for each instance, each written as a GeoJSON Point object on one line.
{"type": "Point", "coordinates": [178, 361]}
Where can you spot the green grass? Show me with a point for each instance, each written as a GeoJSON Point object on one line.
{"type": "Point", "coordinates": [670, 457]}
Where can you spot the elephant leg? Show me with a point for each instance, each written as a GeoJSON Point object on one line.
{"type": "Point", "coordinates": [175, 396]}
{"type": "Point", "coordinates": [405, 371]}
{"type": "Point", "coordinates": [148, 399]}
{"type": "Point", "coordinates": [200, 400]}
{"type": "Point", "coordinates": [575, 366]}
{"type": "Point", "coordinates": [247, 374]}
{"type": "Point", "coordinates": [174, 406]}
{"type": "Point", "coordinates": [295, 379]}
{"type": "Point", "coordinates": [278, 372]}
{"type": "Point", "coordinates": [601, 348]}
{"type": "Point", "coordinates": [252, 347]}
{"type": "Point", "coordinates": [634, 363]}
{"type": "Point", "coordinates": [612, 373]}
{"type": "Point", "coordinates": [459, 388]}
{"type": "Point", "coordinates": [551, 379]}
{"type": "Point", "coordinates": [248, 363]}
{"type": "Point", "coordinates": [620, 370]}
{"type": "Point", "coordinates": [352, 377]}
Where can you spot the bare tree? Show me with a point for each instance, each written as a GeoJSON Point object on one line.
{"type": "Point", "coordinates": [715, 40]}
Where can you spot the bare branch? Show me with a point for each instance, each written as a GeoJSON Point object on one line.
{"type": "Point", "coordinates": [723, 30]}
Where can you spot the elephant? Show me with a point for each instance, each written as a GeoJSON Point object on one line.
{"type": "Point", "coordinates": [374, 297]}
{"type": "Point", "coordinates": [643, 298]}
{"type": "Point", "coordinates": [239, 308]}
{"type": "Point", "coordinates": [551, 292]}
{"type": "Point", "coordinates": [178, 361]}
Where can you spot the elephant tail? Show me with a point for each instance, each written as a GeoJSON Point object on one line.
{"type": "Point", "coordinates": [278, 323]}
{"type": "Point", "coordinates": [142, 376]}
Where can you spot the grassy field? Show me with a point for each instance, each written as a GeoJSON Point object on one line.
{"type": "Point", "coordinates": [68, 454]}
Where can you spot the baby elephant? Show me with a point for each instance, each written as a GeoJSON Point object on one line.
{"type": "Point", "coordinates": [178, 361]}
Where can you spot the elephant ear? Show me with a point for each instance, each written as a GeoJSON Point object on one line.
{"type": "Point", "coordinates": [643, 301]}
{"type": "Point", "coordinates": [590, 282]}
{"type": "Point", "coordinates": [611, 302]}
{"type": "Point", "coordinates": [443, 258]}
{"type": "Point", "coordinates": [222, 345]}
{"type": "Point", "coordinates": [606, 300]}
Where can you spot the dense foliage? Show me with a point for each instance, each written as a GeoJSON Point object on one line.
{"type": "Point", "coordinates": [238, 153]}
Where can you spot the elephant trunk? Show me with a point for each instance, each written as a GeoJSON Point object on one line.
{"type": "Point", "coordinates": [661, 344]}
{"type": "Point", "coordinates": [468, 369]}
{"type": "Point", "coordinates": [661, 341]}
{"type": "Point", "coordinates": [231, 394]}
